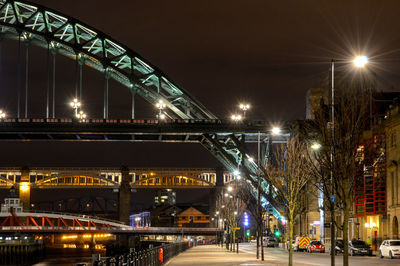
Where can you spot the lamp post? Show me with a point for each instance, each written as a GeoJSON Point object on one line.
{"type": "Point", "coordinates": [236, 118]}
{"type": "Point", "coordinates": [81, 115]}
{"type": "Point", "coordinates": [244, 107]}
{"type": "Point", "coordinates": [160, 106]}
{"type": "Point", "coordinates": [75, 104]}
{"type": "Point", "coordinates": [359, 61]}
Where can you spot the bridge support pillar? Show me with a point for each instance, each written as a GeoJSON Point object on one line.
{"type": "Point", "coordinates": [216, 192]}
{"type": "Point", "coordinates": [124, 196]}
{"type": "Point", "coordinates": [25, 189]}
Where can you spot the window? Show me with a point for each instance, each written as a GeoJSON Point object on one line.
{"type": "Point", "coordinates": [393, 139]}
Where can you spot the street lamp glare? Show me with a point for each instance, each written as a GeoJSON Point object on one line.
{"type": "Point", "coordinates": [230, 189]}
{"type": "Point", "coordinates": [236, 117]}
{"type": "Point", "coordinates": [360, 61]}
{"type": "Point", "coordinates": [276, 131]}
{"type": "Point", "coordinates": [236, 173]}
{"type": "Point", "coordinates": [315, 146]}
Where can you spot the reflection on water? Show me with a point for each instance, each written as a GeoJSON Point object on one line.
{"type": "Point", "coordinates": [68, 256]}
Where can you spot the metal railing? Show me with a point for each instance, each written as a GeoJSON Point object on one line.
{"type": "Point", "coordinates": [150, 257]}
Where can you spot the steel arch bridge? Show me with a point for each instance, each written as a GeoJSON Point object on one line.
{"type": "Point", "coordinates": [34, 24]}
{"type": "Point", "coordinates": [38, 25]}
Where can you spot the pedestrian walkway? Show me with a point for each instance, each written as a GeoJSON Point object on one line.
{"type": "Point", "coordinates": [210, 255]}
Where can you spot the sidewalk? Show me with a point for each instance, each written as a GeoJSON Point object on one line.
{"type": "Point", "coordinates": [210, 255]}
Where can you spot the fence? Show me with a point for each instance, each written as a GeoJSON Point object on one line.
{"type": "Point", "coordinates": [150, 257]}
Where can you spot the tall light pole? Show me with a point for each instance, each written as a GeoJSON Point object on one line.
{"type": "Point", "coordinates": [359, 61]}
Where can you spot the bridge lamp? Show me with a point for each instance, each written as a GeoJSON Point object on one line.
{"type": "Point", "coordinates": [276, 131]}
{"type": "Point", "coordinates": [24, 186]}
{"type": "Point", "coordinates": [2, 114]}
{"type": "Point", "coordinates": [236, 118]}
{"type": "Point", "coordinates": [81, 115]}
{"type": "Point", "coordinates": [244, 107]}
{"type": "Point", "coordinates": [75, 104]}
{"type": "Point", "coordinates": [161, 106]}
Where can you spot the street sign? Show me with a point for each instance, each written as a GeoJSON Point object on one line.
{"type": "Point", "coordinates": [333, 198]}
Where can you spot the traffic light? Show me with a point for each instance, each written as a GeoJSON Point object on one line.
{"type": "Point", "coordinates": [277, 233]}
{"type": "Point", "coordinates": [248, 233]}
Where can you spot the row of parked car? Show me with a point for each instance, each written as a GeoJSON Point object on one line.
{"type": "Point", "coordinates": [388, 248]}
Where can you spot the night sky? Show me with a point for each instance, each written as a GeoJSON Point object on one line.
{"type": "Point", "coordinates": [266, 53]}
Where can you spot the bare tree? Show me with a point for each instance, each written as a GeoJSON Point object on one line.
{"type": "Point", "coordinates": [257, 212]}
{"type": "Point", "coordinates": [288, 175]}
{"type": "Point", "coordinates": [231, 206]}
{"type": "Point", "coordinates": [336, 159]}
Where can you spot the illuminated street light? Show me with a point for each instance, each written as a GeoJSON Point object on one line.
{"type": "Point", "coordinates": [226, 195]}
{"type": "Point", "coordinates": [276, 131]}
{"type": "Point", "coordinates": [161, 106]}
{"type": "Point", "coordinates": [75, 104]}
{"type": "Point", "coordinates": [315, 146]}
{"type": "Point", "coordinates": [2, 114]}
{"type": "Point", "coordinates": [244, 107]}
{"type": "Point", "coordinates": [360, 61]}
{"type": "Point", "coordinates": [236, 118]}
{"type": "Point", "coordinates": [81, 115]}
{"type": "Point", "coordinates": [230, 189]}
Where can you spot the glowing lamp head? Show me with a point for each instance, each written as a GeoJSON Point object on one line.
{"type": "Point", "coordinates": [24, 186]}
{"type": "Point", "coordinates": [276, 131]}
{"type": "Point", "coordinates": [230, 189]}
{"type": "Point", "coordinates": [315, 146]}
{"type": "Point", "coordinates": [236, 117]}
{"type": "Point", "coordinates": [360, 61]}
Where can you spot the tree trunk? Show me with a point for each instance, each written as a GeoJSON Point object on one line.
{"type": "Point", "coordinates": [261, 242]}
{"type": "Point", "coordinates": [230, 238]}
{"type": "Point", "coordinates": [258, 243]}
{"type": "Point", "coordinates": [290, 241]}
{"type": "Point", "coordinates": [346, 224]}
{"type": "Point", "coordinates": [233, 239]}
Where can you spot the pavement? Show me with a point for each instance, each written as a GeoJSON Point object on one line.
{"type": "Point", "coordinates": [210, 255]}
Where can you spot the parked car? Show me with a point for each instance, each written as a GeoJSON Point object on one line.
{"type": "Point", "coordinates": [301, 243]}
{"type": "Point", "coordinates": [271, 242]}
{"type": "Point", "coordinates": [389, 248]}
{"type": "Point", "coordinates": [339, 247]}
{"type": "Point", "coordinates": [293, 243]}
{"type": "Point", "coordinates": [359, 247]}
{"type": "Point", "coordinates": [316, 246]}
